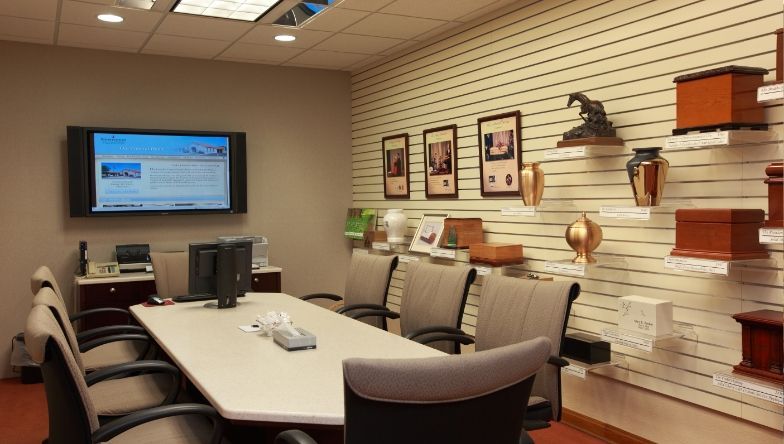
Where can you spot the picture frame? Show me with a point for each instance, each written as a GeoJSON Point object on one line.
{"type": "Point", "coordinates": [500, 154]}
{"type": "Point", "coordinates": [394, 152]}
{"type": "Point", "coordinates": [428, 233]}
{"type": "Point", "coordinates": [440, 152]}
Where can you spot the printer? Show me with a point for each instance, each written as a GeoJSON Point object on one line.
{"type": "Point", "coordinates": [260, 247]}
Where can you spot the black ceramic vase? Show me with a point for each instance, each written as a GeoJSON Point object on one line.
{"type": "Point", "coordinates": [647, 173]}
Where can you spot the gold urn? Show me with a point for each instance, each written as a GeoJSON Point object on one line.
{"type": "Point", "coordinates": [531, 184]}
{"type": "Point", "coordinates": [584, 235]}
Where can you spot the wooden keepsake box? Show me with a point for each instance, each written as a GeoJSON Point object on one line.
{"type": "Point", "coordinates": [762, 344]}
{"type": "Point", "coordinates": [719, 97]}
{"type": "Point", "coordinates": [469, 231]}
{"type": "Point", "coordinates": [496, 254]}
{"type": "Point", "coordinates": [723, 234]}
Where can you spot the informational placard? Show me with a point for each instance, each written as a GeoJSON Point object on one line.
{"type": "Point", "coordinates": [747, 386]}
{"type": "Point", "coordinates": [566, 268]}
{"type": "Point", "coordinates": [518, 211]}
{"type": "Point", "coordinates": [698, 140]}
{"type": "Point", "coordinates": [636, 213]}
{"type": "Point", "coordinates": [571, 152]}
{"type": "Point", "coordinates": [574, 370]}
{"type": "Point", "coordinates": [626, 339]}
{"type": "Point", "coordinates": [406, 258]}
{"type": "Point", "coordinates": [360, 251]}
{"type": "Point", "coordinates": [446, 253]}
{"type": "Point", "coordinates": [697, 265]}
{"type": "Point", "coordinates": [483, 271]}
{"type": "Point", "coordinates": [384, 246]}
{"type": "Point", "coordinates": [770, 92]}
{"type": "Point", "coordinates": [771, 235]}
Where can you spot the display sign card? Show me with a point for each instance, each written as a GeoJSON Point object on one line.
{"type": "Point", "coordinates": [697, 265]}
{"type": "Point", "coordinates": [446, 253]}
{"type": "Point", "coordinates": [636, 213]}
{"type": "Point", "coordinates": [747, 386]}
{"type": "Point", "coordinates": [483, 271]}
{"type": "Point", "coordinates": [384, 246]}
{"type": "Point", "coordinates": [572, 152]}
{"type": "Point", "coordinates": [566, 268]}
{"type": "Point", "coordinates": [518, 211]}
{"type": "Point", "coordinates": [574, 370]}
{"type": "Point", "coordinates": [407, 258]}
{"type": "Point", "coordinates": [770, 92]}
{"type": "Point", "coordinates": [771, 235]}
{"type": "Point", "coordinates": [698, 140]}
{"type": "Point", "coordinates": [626, 339]}
{"type": "Point", "coordinates": [360, 251]}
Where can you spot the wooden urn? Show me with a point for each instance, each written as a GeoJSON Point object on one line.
{"type": "Point", "coordinates": [723, 234]}
{"type": "Point", "coordinates": [762, 345]}
{"type": "Point", "coordinates": [775, 181]}
{"type": "Point", "coordinates": [720, 98]}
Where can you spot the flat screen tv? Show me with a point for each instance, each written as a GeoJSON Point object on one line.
{"type": "Point", "coordinates": [116, 171]}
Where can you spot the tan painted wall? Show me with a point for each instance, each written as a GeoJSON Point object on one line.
{"type": "Point", "coordinates": [299, 161]}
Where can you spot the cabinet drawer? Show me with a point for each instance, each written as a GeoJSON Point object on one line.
{"type": "Point", "coordinates": [265, 282]}
{"type": "Point", "coordinates": [116, 295]}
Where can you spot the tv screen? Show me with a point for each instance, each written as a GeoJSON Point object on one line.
{"type": "Point", "coordinates": [135, 171]}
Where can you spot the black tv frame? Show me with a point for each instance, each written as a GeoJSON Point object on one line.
{"type": "Point", "coordinates": [81, 188]}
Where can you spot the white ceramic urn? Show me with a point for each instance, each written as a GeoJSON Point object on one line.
{"type": "Point", "coordinates": [395, 226]}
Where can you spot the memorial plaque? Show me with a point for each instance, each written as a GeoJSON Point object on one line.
{"type": "Point", "coordinates": [762, 344]}
{"type": "Point", "coordinates": [723, 234]}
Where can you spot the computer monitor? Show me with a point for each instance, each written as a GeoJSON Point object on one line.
{"type": "Point", "coordinates": [222, 269]}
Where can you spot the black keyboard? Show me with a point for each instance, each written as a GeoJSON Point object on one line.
{"type": "Point", "coordinates": [198, 297]}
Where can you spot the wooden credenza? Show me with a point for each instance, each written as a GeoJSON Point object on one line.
{"type": "Point", "coordinates": [134, 288]}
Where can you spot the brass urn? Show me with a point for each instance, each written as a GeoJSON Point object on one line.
{"type": "Point", "coordinates": [584, 235]}
{"type": "Point", "coordinates": [531, 183]}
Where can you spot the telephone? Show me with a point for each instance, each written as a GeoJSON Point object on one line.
{"type": "Point", "coordinates": [102, 269]}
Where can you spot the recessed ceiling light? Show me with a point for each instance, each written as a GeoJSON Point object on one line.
{"type": "Point", "coordinates": [111, 18]}
{"type": "Point", "coordinates": [285, 38]}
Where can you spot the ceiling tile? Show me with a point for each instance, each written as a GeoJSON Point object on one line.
{"type": "Point", "coordinates": [265, 35]}
{"type": "Point", "coordinates": [326, 59]}
{"type": "Point", "coordinates": [365, 63]}
{"type": "Point", "coordinates": [436, 9]}
{"type": "Point", "coordinates": [437, 30]}
{"type": "Point", "coordinates": [479, 12]}
{"type": "Point", "coordinates": [399, 47]}
{"type": "Point", "coordinates": [26, 30]}
{"type": "Point", "coordinates": [203, 27]}
{"type": "Point", "coordinates": [85, 14]}
{"type": "Point", "coordinates": [364, 5]}
{"type": "Point", "coordinates": [99, 37]}
{"type": "Point", "coordinates": [36, 9]}
{"type": "Point", "coordinates": [184, 46]}
{"type": "Point", "coordinates": [335, 19]}
{"type": "Point", "coordinates": [396, 26]}
{"type": "Point", "coordinates": [269, 53]}
{"type": "Point", "coordinates": [360, 44]}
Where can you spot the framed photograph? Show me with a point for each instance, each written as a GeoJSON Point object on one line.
{"type": "Point", "coordinates": [394, 150]}
{"type": "Point", "coordinates": [428, 234]}
{"type": "Point", "coordinates": [500, 154]}
{"type": "Point", "coordinates": [440, 161]}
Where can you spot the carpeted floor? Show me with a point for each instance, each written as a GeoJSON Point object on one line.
{"type": "Point", "coordinates": [24, 419]}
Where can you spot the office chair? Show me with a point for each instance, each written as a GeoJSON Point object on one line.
{"type": "Point", "coordinates": [158, 384]}
{"type": "Point", "coordinates": [471, 398]}
{"type": "Point", "coordinates": [512, 310]}
{"type": "Point", "coordinates": [72, 412]}
{"type": "Point", "coordinates": [109, 353]}
{"type": "Point", "coordinates": [171, 273]}
{"type": "Point", "coordinates": [433, 295]}
{"type": "Point", "coordinates": [367, 284]}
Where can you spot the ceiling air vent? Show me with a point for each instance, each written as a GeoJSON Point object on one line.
{"type": "Point", "coordinates": [302, 12]}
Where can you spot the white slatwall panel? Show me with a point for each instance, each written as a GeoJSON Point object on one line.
{"type": "Point", "coordinates": [529, 57]}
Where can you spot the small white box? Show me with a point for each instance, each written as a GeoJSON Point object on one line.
{"type": "Point", "coordinates": [645, 315]}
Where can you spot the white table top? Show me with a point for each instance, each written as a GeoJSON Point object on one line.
{"type": "Point", "coordinates": [246, 376]}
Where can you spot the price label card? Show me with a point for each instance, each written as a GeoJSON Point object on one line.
{"type": "Point", "coordinates": [407, 258]}
{"type": "Point", "coordinates": [360, 251]}
{"type": "Point", "coordinates": [574, 370]}
{"type": "Point", "coordinates": [518, 211]}
{"type": "Point", "coordinates": [697, 265]}
{"type": "Point", "coordinates": [572, 152]}
{"type": "Point", "coordinates": [770, 92]}
{"type": "Point", "coordinates": [445, 253]}
{"type": "Point", "coordinates": [627, 340]}
{"type": "Point", "coordinates": [751, 388]}
{"type": "Point", "coordinates": [697, 140]}
{"type": "Point", "coordinates": [637, 213]}
{"type": "Point", "coordinates": [483, 271]}
{"type": "Point", "coordinates": [771, 235]}
{"type": "Point", "coordinates": [381, 246]}
{"type": "Point", "coordinates": [566, 268]}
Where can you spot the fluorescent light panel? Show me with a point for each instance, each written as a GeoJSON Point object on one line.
{"type": "Point", "coordinates": [245, 10]}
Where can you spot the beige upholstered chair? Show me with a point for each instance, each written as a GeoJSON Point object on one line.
{"type": "Point", "coordinates": [110, 353]}
{"type": "Point", "coordinates": [472, 398]}
{"type": "Point", "coordinates": [115, 397]}
{"type": "Point", "coordinates": [366, 287]}
{"type": "Point", "coordinates": [171, 273]}
{"type": "Point", "coordinates": [73, 412]}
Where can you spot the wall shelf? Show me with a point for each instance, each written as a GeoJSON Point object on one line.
{"type": "Point", "coordinates": [720, 138]}
{"type": "Point", "coordinates": [533, 211]}
{"type": "Point", "coordinates": [583, 151]}
{"type": "Point", "coordinates": [568, 268]}
{"type": "Point", "coordinates": [710, 266]}
{"type": "Point", "coordinates": [646, 343]}
{"type": "Point", "coordinates": [633, 212]}
{"type": "Point", "coordinates": [581, 369]}
{"type": "Point", "coordinates": [758, 388]}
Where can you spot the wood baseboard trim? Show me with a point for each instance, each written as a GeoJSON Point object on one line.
{"type": "Point", "coordinates": [600, 429]}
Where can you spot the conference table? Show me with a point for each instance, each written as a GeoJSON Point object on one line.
{"type": "Point", "coordinates": [248, 378]}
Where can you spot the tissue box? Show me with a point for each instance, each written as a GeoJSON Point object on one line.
{"type": "Point", "coordinates": [645, 315]}
{"type": "Point", "coordinates": [586, 348]}
{"type": "Point", "coordinates": [290, 342]}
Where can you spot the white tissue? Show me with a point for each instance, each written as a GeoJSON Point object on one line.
{"type": "Point", "coordinates": [273, 320]}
